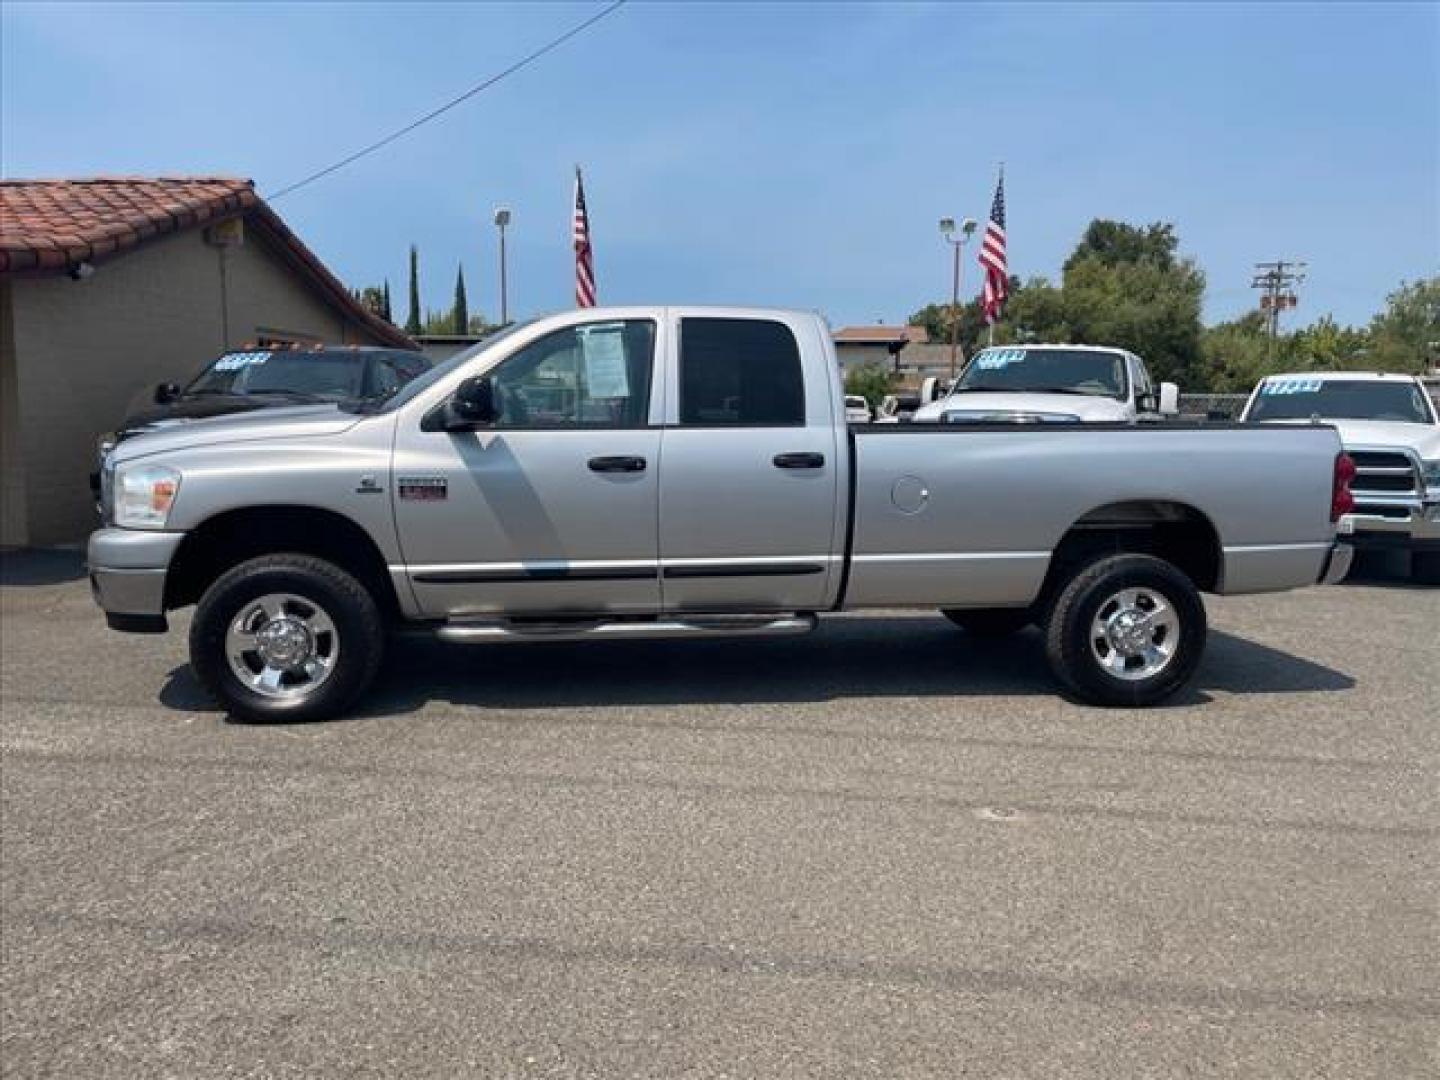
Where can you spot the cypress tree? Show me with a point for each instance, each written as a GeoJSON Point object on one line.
{"type": "Point", "coordinates": [412, 322]}
{"type": "Point", "coordinates": [385, 303]}
{"type": "Point", "coordinates": [461, 311]}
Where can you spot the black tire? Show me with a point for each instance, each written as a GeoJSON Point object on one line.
{"type": "Point", "coordinates": [1425, 567]}
{"type": "Point", "coordinates": [1094, 587]}
{"type": "Point", "coordinates": [358, 637]}
{"type": "Point", "coordinates": [989, 622]}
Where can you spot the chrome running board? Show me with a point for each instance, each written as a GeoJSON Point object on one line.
{"type": "Point", "coordinates": [689, 626]}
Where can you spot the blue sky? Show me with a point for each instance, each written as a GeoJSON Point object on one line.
{"type": "Point", "coordinates": [790, 154]}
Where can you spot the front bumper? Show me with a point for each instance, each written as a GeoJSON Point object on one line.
{"type": "Point", "coordinates": [127, 576]}
{"type": "Point", "coordinates": [1393, 523]}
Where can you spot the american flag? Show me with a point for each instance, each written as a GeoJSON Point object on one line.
{"type": "Point", "coordinates": [584, 254]}
{"type": "Point", "coordinates": [992, 257]}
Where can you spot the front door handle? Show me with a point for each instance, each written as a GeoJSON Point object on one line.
{"type": "Point", "coordinates": [620, 463]}
{"type": "Point", "coordinates": [800, 461]}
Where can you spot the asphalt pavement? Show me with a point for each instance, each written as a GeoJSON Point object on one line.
{"type": "Point", "coordinates": [883, 850]}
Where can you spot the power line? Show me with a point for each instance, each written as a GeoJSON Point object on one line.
{"type": "Point", "coordinates": [466, 96]}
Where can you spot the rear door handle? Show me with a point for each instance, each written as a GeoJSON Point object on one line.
{"type": "Point", "coordinates": [800, 461]}
{"type": "Point", "coordinates": [620, 463]}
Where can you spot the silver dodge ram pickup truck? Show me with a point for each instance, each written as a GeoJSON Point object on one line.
{"type": "Point", "coordinates": [688, 472]}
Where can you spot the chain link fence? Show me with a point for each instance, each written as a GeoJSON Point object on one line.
{"type": "Point", "coordinates": [1212, 406]}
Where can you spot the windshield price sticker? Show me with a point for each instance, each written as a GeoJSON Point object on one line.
{"type": "Point", "coordinates": [1291, 386]}
{"type": "Point", "coordinates": [991, 359]}
{"type": "Point", "coordinates": [236, 361]}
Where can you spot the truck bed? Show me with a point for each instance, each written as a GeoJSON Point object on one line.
{"type": "Point", "coordinates": [938, 509]}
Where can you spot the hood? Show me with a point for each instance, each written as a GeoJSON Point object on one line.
{"type": "Point", "coordinates": [1424, 439]}
{"type": "Point", "coordinates": [1084, 407]}
{"type": "Point", "coordinates": [298, 421]}
{"type": "Point", "coordinates": [192, 408]}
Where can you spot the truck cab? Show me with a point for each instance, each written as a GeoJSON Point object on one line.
{"type": "Point", "coordinates": [1054, 384]}
{"type": "Point", "coordinates": [1389, 426]}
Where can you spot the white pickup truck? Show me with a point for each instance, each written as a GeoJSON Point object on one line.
{"type": "Point", "coordinates": [1054, 383]}
{"type": "Point", "coordinates": [688, 472]}
{"type": "Point", "coordinates": [1389, 427]}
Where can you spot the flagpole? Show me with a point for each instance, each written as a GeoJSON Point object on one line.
{"type": "Point", "coordinates": [991, 340]}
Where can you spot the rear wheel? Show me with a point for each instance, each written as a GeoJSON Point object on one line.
{"type": "Point", "coordinates": [1126, 630]}
{"type": "Point", "coordinates": [286, 638]}
{"type": "Point", "coordinates": [1425, 567]}
{"type": "Point", "coordinates": [989, 622]}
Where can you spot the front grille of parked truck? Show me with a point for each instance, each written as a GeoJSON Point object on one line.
{"type": "Point", "coordinates": [1384, 472]}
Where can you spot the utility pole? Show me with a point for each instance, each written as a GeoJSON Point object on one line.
{"type": "Point", "coordinates": [1278, 280]}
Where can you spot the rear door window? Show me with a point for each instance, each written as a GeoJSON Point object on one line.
{"type": "Point", "coordinates": [742, 372]}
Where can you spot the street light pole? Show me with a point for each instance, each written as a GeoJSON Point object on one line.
{"type": "Point", "coordinates": [502, 218]}
{"type": "Point", "coordinates": [947, 230]}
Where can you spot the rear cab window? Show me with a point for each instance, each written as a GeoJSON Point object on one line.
{"type": "Point", "coordinates": [740, 372]}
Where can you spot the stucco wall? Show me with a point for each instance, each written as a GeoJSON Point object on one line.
{"type": "Point", "coordinates": [85, 351]}
{"type": "Point", "coordinates": [12, 464]}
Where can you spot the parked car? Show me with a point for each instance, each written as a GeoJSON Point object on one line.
{"type": "Point", "coordinates": [1053, 383]}
{"type": "Point", "coordinates": [1389, 426]}
{"type": "Point", "coordinates": [857, 409]}
{"type": "Point", "coordinates": [263, 378]}
{"type": "Point", "coordinates": [266, 378]}
{"type": "Point", "coordinates": [696, 477]}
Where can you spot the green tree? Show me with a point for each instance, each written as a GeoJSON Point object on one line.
{"type": "Point", "coordinates": [372, 299]}
{"type": "Point", "coordinates": [385, 308]}
{"type": "Point", "coordinates": [1325, 345]}
{"type": "Point", "coordinates": [1236, 355]}
{"type": "Point", "coordinates": [870, 381]}
{"type": "Point", "coordinates": [1147, 306]}
{"type": "Point", "coordinates": [1036, 312]}
{"type": "Point", "coordinates": [1406, 335]}
{"type": "Point", "coordinates": [460, 313]}
{"type": "Point", "coordinates": [1115, 243]}
{"type": "Point", "coordinates": [412, 321]}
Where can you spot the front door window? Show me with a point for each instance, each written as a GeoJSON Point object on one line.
{"type": "Point", "coordinates": [592, 376]}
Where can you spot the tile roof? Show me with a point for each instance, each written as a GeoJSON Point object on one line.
{"type": "Point", "coordinates": [882, 335]}
{"type": "Point", "coordinates": [54, 224]}
{"type": "Point", "coordinates": [50, 226]}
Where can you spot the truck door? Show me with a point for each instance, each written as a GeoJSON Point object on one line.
{"type": "Point", "coordinates": [751, 467]}
{"type": "Point", "coordinates": [552, 510]}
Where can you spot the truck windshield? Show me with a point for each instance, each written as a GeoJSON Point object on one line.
{"type": "Point", "coordinates": [327, 375]}
{"type": "Point", "coordinates": [1065, 371]}
{"type": "Point", "coordinates": [419, 385]}
{"type": "Point", "coordinates": [1340, 399]}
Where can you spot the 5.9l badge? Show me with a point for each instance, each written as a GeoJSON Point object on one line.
{"type": "Point", "coordinates": [423, 488]}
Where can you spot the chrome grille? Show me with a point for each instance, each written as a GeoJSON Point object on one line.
{"type": "Point", "coordinates": [1384, 472]}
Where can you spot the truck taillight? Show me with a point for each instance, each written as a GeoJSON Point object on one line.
{"type": "Point", "coordinates": [1342, 501]}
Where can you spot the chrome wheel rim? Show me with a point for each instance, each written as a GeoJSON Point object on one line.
{"type": "Point", "coordinates": [1135, 634]}
{"type": "Point", "coordinates": [282, 646]}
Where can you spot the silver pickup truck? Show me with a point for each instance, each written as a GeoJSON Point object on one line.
{"type": "Point", "coordinates": [688, 472]}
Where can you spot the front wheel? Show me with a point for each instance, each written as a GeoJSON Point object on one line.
{"type": "Point", "coordinates": [286, 638]}
{"type": "Point", "coordinates": [1126, 630]}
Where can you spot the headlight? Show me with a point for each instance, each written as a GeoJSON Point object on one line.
{"type": "Point", "coordinates": [1431, 472]}
{"type": "Point", "coordinates": [143, 496]}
